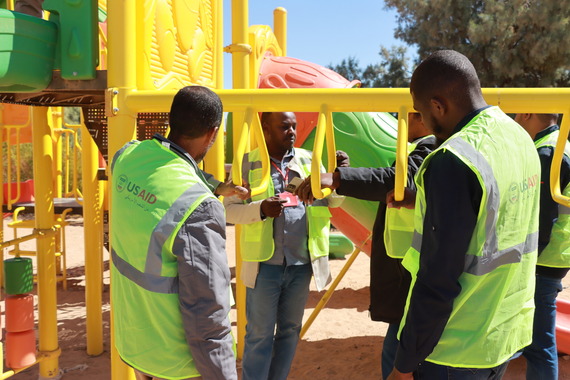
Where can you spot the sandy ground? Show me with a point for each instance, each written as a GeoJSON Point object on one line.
{"type": "Point", "coordinates": [341, 344]}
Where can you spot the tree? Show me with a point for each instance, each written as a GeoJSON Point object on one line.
{"type": "Point", "coordinates": [348, 68]}
{"type": "Point", "coordinates": [510, 42]}
{"type": "Point", "coordinates": [391, 71]}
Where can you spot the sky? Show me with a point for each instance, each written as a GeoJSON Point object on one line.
{"type": "Point", "coordinates": [324, 31]}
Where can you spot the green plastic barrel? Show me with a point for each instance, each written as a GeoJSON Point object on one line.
{"type": "Point", "coordinates": [18, 275]}
{"type": "Point", "coordinates": [27, 52]}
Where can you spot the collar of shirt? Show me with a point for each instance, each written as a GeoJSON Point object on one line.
{"type": "Point", "coordinates": [467, 119]}
{"type": "Point", "coordinates": [546, 131]}
{"type": "Point", "coordinates": [287, 157]}
{"type": "Point", "coordinates": [183, 154]}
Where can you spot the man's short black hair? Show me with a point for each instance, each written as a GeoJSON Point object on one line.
{"type": "Point", "coordinates": [195, 111]}
{"type": "Point", "coordinates": [446, 72]}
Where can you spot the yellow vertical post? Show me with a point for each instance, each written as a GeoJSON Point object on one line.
{"type": "Point", "coordinates": [401, 154]}
{"type": "Point", "coordinates": [43, 183]}
{"type": "Point", "coordinates": [240, 78]}
{"type": "Point", "coordinates": [555, 188]}
{"type": "Point", "coordinates": [214, 160]}
{"type": "Point", "coordinates": [93, 234]}
{"type": "Point", "coordinates": [57, 118]}
{"type": "Point", "coordinates": [121, 74]}
{"type": "Point", "coordinates": [280, 28]}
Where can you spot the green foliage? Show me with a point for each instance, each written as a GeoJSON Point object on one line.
{"type": "Point", "coordinates": [348, 68]}
{"type": "Point", "coordinates": [511, 43]}
{"type": "Point", "coordinates": [72, 115]}
{"type": "Point", "coordinates": [10, 156]}
{"type": "Point", "coordinates": [393, 70]}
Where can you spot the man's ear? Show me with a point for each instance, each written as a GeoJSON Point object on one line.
{"type": "Point", "coordinates": [439, 106]}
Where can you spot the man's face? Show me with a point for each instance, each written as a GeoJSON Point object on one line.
{"type": "Point", "coordinates": [209, 140]}
{"type": "Point", "coordinates": [281, 131]}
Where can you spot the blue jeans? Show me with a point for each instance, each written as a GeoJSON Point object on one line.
{"type": "Point", "coordinates": [389, 349]}
{"type": "Point", "coordinates": [431, 371]}
{"type": "Point", "coordinates": [278, 299]}
{"type": "Point", "coordinates": [541, 356]}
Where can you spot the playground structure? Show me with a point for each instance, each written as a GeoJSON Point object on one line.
{"type": "Point", "coordinates": [152, 49]}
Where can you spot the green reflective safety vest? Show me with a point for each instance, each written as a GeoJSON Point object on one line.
{"type": "Point", "coordinates": [492, 316]}
{"type": "Point", "coordinates": [399, 226]}
{"type": "Point", "coordinates": [151, 338]}
{"type": "Point", "coordinates": [257, 238]}
{"type": "Point", "coordinates": [557, 252]}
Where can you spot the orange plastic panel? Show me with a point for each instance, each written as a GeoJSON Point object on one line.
{"type": "Point", "coordinates": [20, 349]}
{"type": "Point", "coordinates": [563, 326]}
{"type": "Point", "coordinates": [16, 115]}
{"type": "Point", "coordinates": [19, 313]}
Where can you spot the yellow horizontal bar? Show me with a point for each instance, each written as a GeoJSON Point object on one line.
{"type": "Point", "coordinates": [33, 235]}
{"type": "Point", "coordinates": [512, 100]}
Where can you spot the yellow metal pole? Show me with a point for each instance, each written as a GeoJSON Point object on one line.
{"type": "Point", "coordinates": [555, 189]}
{"type": "Point", "coordinates": [56, 119]}
{"type": "Point", "coordinates": [122, 73]}
{"type": "Point", "coordinates": [280, 28]}
{"type": "Point", "coordinates": [240, 78]}
{"type": "Point", "coordinates": [47, 296]}
{"type": "Point", "coordinates": [401, 154]}
{"type": "Point", "coordinates": [93, 233]}
{"type": "Point", "coordinates": [325, 299]}
{"type": "Point", "coordinates": [215, 159]}
{"type": "Point", "coordinates": [512, 100]}
{"type": "Point", "coordinates": [324, 129]}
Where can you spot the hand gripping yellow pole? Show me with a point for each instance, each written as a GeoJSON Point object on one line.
{"type": "Point", "coordinates": [557, 162]}
{"type": "Point", "coordinates": [324, 130]}
{"type": "Point", "coordinates": [401, 154]}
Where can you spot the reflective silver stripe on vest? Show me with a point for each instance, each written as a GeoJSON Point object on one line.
{"type": "Point", "coordinates": [491, 245]}
{"type": "Point", "coordinates": [247, 166]}
{"type": "Point", "coordinates": [489, 261]}
{"type": "Point", "coordinates": [563, 210]}
{"type": "Point", "coordinates": [166, 226]}
{"type": "Point", "coordinates": [147, 281]}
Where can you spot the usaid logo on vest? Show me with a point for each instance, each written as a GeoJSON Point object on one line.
{"type": "Point", "coordinates": [124, 183]}
{"type": "Point", "coordinates": [522, 189]}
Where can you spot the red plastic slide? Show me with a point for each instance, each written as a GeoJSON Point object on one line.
{"type": "Point", "coordinates": [563, 326]}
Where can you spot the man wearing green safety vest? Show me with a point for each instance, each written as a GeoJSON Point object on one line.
{"type": "Point", "coordinates": [171, 281]}
{"type": "Point", "coordinates": [283, 243]}
{"type": "Point", "coordinates": [391, 234]}
{"type": "Point", "coordinates": [553, 247]}
{"type": "Point", "coordinates": [473, 255]}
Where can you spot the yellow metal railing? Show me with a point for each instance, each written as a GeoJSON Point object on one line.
{"type": "Point", "coordinates": [555, 187]}
{"type": "Point", "coordinates": [73, 161]}
{"type": "Point", "coordinates": [325, 132]}
{"type": "Point", "coordinates": [251, 126]}
{"type": "Point", "coordinates": [511, 100]}
{"type": "Point", "coordinates": [10, 201]}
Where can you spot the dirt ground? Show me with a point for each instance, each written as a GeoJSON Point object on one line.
{"type": "Point", "coordinates": [341, 344]}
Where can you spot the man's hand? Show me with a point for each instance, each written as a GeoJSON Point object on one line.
{"type": "Point", "coordinates": [342, 159]}
{"type": "Point", "coordinates": [272, 207]}
{"type": "Point", "coordinates": [397, 375]}
{"type": "Point", "coordinates": [328, 180]}
{"type": "Point", "coordinates": [227, 189]}
{"type": "Point", "coordinates": [409, 200]}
